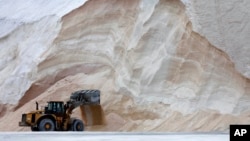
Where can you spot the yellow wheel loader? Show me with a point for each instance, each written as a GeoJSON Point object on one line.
{"type": "Point", "coordinates": [56, 116]}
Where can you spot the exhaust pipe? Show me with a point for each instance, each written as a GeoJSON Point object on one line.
{"type": "Point", "coordinates": [36, 105]}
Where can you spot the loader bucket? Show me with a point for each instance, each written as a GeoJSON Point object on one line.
{"type": "Point", "coordinates": [92, 115]}
{"type": "Point", "coordinates": [86, 97]}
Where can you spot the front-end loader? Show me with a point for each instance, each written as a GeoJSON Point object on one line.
{"type": "Point", "coordinates": [56, 116]}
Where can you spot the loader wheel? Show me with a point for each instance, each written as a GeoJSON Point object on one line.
{"type": "Point", "coordinates": [46, 125]}
{"type": "Point", "coordinates": [77, 125]}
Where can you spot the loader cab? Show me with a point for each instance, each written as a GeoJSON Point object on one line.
{"type": "Point", "coordinates": [55, 107]}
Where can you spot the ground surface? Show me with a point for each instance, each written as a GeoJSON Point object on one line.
{"type": "Point", "coordinates": [107, 136]}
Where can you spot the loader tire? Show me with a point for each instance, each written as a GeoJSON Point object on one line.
{"type": "Point", "coordinates": [77, 125]}
{"type": "Point", "coordinates": [46, 125]}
